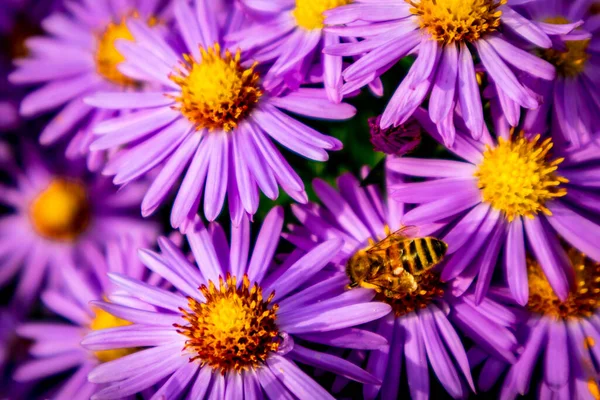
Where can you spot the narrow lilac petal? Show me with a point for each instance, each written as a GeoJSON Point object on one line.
{"type": "Point", "coordinates": [234, 388]}
{"type": "Point", "coordinates": [240, 245]}
{"type": "Point", "coordinates": [443, 208]}
{"type": "Point", "coordinates": [430, 51]}
{"type": "Point", "coordinates": [382, 11]}
{"type": "Point", "coordinates": [130, 365]}
{"type": "Point", "coordinates": [342, 211]}
{"type": "Point", "coordinates": [523, 369]}
{"type": "Point", "coordinates": [201, 383]}
{"type": "Point", "coordinates": [177, 383]}
{"type": "Point", "coordinates": [119, 101]}
{"type": "Point", "coordinates": [378, 360]}
{"type": "Point", "coordinates": [431, 168]}
{"type": "Point", "coordinates": [326, 288]}
{"type": "Point", "coordinates": [138, 316]}
{"type": "Point", "coordinates": [547, 256]}
{"type": "Point", "coordinates": [152, 374]}
{"type": "Point", "coordinates": [209, 28]}
{"type": "Point", "coordinates": [522, 59]}
{"type": "Point", "coordinates": [177, 261]}
{"type": "Point", "coordinates": [129, 337]}
{"type": "Point", "coordinates": [393, 374]}
{"type": "Point", "coordinates": [313, 103]}
{"type": "Point", "coordinates": [453, 342]}
{"type": "Point", "coordinates": [251, 386]}
{"type": "Point", "coordinates": [303, 269]}
{"type": "Point", "coordinates": [427, 191]}
{"type": "Point", "coordinates": [515, 262]}
{"type": "Point", "coordinates": [556, 362]}
{"type": "Point", "coordinates": [44, 367]}
{"type": "Point", "coordinates": [266, 244]}
{"type": "Point", "coordinates": [150, 293]}
{"type": "Point", "coordinates": [331, 363]}
{"type": "Point", "coordinates": [505, 79]}
{"type": "Point", "coordinates": [244, 181]}
{"type": "Point", "coordinates": [272, 386]}
{"type": "Point", "coordinates": [488, 261]}
{"type": "Point", "coordinates": [65, 307]}
{"type": "Point", "coordinates": [415, 353]}
{"type": "Point", "coordinates": [464, 230]}
{"type": "Point", "coordinates": [491, 373]}
{"type": "Point", "coordinates": [350, 338]}
{"type": "Point", "coordinates": [460, 260]}
{"type": "Point", "coordinates": [204, 251]}
{"type": "Point", "coordinates": [340, 318]}
{"type": "Point", "coordinates": [76, 384]}
{"type": "Point", "coordinates": [188, 26]}
{"type": "Point", "coordinates": [570, 225]}
{"type": "Point", "coordinates": [444, 86]}
{"type": "Point", "coordinates": [468, 91]}
{"type": "Point", "coordinates": [300, 384]}
{"type": "Point", "coordinates": [216, 179]}
{"type": "Point", "coordinates": [525, 28]}
{"type": "Point", "coordinates": [332, 70]}
{"type": "Point", "coordinates": [438, 356]}
{"type": "Point", "coordinates": [64, 121]}
{"type": "Point", "coordinates": [135, 125]}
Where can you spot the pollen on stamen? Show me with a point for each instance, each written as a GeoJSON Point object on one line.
{"type": "Point", "coordinates": [518, 176]}
{"type": "Point", "coordinates": [451, 21]}
{"type": "Point", "coordinates": [62, 211]}
{"type": "Point", "coordinates": [583, 300]}
{"type": "Point", "coordinates": [234, 329]}
{"type": "Point", "coordinates": [217, 92]}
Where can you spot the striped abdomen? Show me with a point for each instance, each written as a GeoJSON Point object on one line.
{"type": "Point", "coordinates": [420, 254]}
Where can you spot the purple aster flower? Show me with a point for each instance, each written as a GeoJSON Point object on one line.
{"type": "Point", "coordinates": [212, 117]}
{"type": "Point", "coordinates": [56, 345]}
{"type": "Point", "coordinates": [558, 338]}
{"type": "Point", "coordinates": [59, 214]}
{"type": "Point", "coordinates": [445, 34]}
{"type": "Point", "coordinates": [238, 323]}
{"type": "Point", "coordinates": [572, 101]}
{"type": "Point", "coordinates": [509, 194]}
{"type": "Point", "coordinates": [20, 19]}
{"type": "Point", "coordinates": [290, 35]}
{"type": "Point", "coordinates": [423, 327]}
{"type": "Point", "coordinates": [76, 59]}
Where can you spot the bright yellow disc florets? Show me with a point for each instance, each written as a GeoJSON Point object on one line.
{"type": "Point", "coordinates": [309, 13]}
{"type": "Point", "coordinates": [105, 320]}
{"type": "Point", "coordinates": [570, 62]}
{"type": "Point", "coordinates": [582, 301]}
{"type": "Point", "coordinates": [518, 176]}
{"type": "Point", "coordinates": [108, 57]}
{"type": "Point", "coordinates": [62, 211]}
{"type": "Point", "coordinates": [449, 21]}
{"type": "Point", "coordinates": [216, 92]}
{"type": "Point", "coordinates": [234, 329]}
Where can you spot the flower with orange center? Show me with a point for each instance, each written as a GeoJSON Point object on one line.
{"type": "Point", "coordinates": [309, 13]}
{"type": "Point", "coordinates": [217, 92]}
{"type": "Point", "coordinates": [450, 21]}
{"type": "Point", "coordinates": [234, 328]}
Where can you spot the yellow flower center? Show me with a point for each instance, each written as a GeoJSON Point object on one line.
{"type": "Point", "coordinates": [309, 13]}
{"type": "Point", "coordinates": [108, 57]}
{"type": "Point", "coordinates": [518, 176]}
{"type": "Point", "coordinates": [216, 92]}
{"type": "Point", "coordinates": [449, 21]}
{"type": "Point", "coordinates": [62, 211]}
{"type": "Point", "coordinates": [234, 329]}
{"type": "Point", "coordinates": [581, 303]}
{"type": "Point", "coordinates": [105, 320]}
{"type": "Point", "coordinates": [429, 288]}
{"type": "Point", "coordinates": [570, 62]}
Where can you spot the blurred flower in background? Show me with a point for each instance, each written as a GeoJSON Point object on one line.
{"type": "Point", "coordinates": [60, 214]}
{"type": "Point", "coordinates": [56, 346]}
{"type": "Point", "coordinates": [76, 58]}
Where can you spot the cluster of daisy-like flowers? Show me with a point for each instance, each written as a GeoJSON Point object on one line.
{"type": "Point", "coordinates": [140, 259]}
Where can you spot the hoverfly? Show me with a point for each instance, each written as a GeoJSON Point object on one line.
{"type": "Point", "coordinates": [390, 265]}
